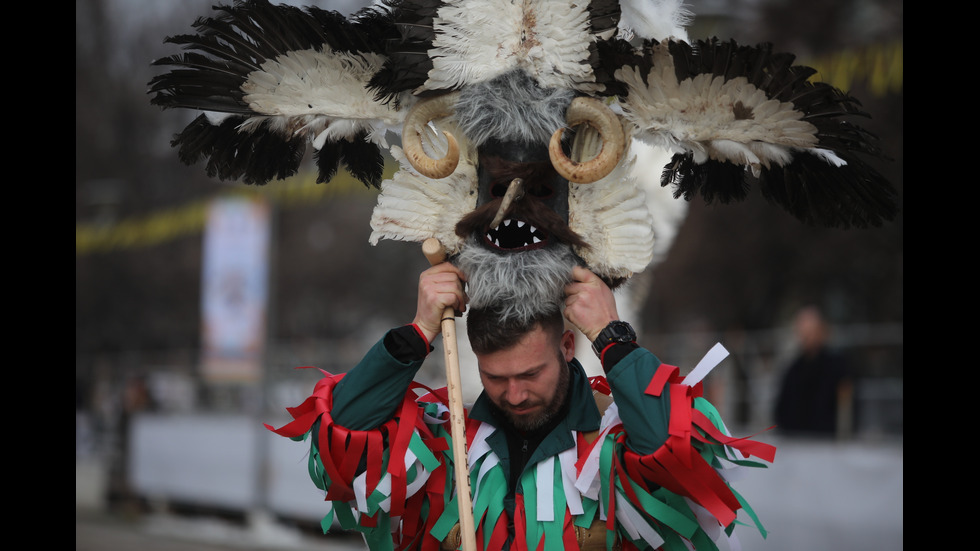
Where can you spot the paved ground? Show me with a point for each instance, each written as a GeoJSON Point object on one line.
{"type": "Point", "coordinates": [99, 531]}
{"type": "Point", "coordinates": [816, 496]}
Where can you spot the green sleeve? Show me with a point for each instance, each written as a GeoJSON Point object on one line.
{"type": "Point", "coordinates": [645, 418]}
{"type": "Point", "coordinates": [370, 393]}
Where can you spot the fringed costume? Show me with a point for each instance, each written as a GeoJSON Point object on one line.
{"type": "Point", "coordinates": [646, 472]}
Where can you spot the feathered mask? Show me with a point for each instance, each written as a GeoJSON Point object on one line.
{"type": "Point", "coordinates": [519, 122]}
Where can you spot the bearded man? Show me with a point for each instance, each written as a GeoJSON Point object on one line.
{"type": "Point", "coordinates": [554, 462]}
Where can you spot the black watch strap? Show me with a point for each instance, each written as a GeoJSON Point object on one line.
{"type": "Point", "coordinates": [616, 332]}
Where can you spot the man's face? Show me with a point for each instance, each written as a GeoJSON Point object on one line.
{"type": "Point", "coordinates": [528, 381]}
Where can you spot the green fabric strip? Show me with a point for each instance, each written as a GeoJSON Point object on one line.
{"type": "Point", "coordinates": [590, 509]}
{"type": "Point", "coordinates": [345, 516]}
{"type": "Point", "coordinates": [530, 491]}
{"type": "Point", "coordinates": [664, 513]}
{"type": "Point", "coordinates": [751, 513]}
{"type": "Point", "coordinates": [379, 538]}
{"type": "Point", "coordinates": [553, 529]}
{"type": "Point", "coordinates": [326, 523]}
{"type": "Point", "coordinates": [422, 452]}
{"type": "Point", "coordinates": [605, 468]}
{"type": "Point", "coordinates": [703, 542]}
{"type": "Point", "coordinates": [448, 519]}
{"type": "Point", "coordinates": [489, 504]}
{"type": "Point", "coordinates": [315, 468]}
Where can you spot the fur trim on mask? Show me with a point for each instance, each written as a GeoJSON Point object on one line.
{"type": "Point", "coordinates": [519, 286]}
{"type": "Point", "coordinates": [511, 107]}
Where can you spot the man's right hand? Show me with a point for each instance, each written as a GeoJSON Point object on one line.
{"type": "Point", "coordinates": [440, 287]}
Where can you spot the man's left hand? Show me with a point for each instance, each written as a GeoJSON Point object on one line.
{"type": "Point", "coordinates": [589, 303]}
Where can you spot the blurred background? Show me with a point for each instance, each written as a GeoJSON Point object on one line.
{"type": "Point", "coordinates": [166, 421]}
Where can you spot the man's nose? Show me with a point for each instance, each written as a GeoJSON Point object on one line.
{"type": "Point", "coordinates": [516, 391]}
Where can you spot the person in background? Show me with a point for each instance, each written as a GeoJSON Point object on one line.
{"type": "Point", "coordinates": [815, 392]}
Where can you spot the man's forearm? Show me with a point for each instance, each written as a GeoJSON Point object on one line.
{"type": "Point", "coordinates": [370, 393]}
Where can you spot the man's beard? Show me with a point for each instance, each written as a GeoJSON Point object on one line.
{"type": "Point", "coordinates": [516, 285]}
{"type": "Point", "coordinates": [550, 411]}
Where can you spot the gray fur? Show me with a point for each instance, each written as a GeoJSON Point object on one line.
{"type": "Point", "coordinates": [511, 107]}
{"type": "Point", "coordinates": [519, 285]}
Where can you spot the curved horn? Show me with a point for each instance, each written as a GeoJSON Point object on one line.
{"type": "Point", "coordinates": [597, 115]}
{"type": "Point", "coordinates": [418, 117]}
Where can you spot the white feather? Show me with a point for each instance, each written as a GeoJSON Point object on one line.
{"type": "Point", "coordinates": [414, 208]}
{"type": "Point", "coordinates": [320, 95]}
{"type": "Point", "coordinates": [655, 19]}
{"type": "Point", "coordinates": [547, 38]}
{"type": "Point", "coordinates": [713, 118]}
{"type": "Point", "coordinates": [612, 216]}
{"type": "Point", "coordinates": [827, 155]}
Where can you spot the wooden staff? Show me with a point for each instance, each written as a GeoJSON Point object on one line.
{"type": "Point", "coordinates": [436, 254]}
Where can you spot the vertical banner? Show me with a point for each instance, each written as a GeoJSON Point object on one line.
{"type": "Point", "coordinates": [235, 289]}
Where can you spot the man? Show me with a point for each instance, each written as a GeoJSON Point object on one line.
{"type": "Point", "coordinates": [548, 469]}
{"type": "Point", "coordinates": [815, 393]}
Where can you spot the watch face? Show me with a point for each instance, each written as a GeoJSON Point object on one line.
{"type": "Point", "coordinates": [621, 331]}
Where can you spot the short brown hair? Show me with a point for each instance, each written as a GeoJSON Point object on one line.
{"type": "Point", "coordinates": [489, 332]}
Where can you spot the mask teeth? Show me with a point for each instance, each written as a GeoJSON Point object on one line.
{"type": "Point", "coordinates": [516, 233]}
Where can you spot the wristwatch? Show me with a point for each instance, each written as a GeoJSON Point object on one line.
{"type": "Point", "coordinates": [616, 332]}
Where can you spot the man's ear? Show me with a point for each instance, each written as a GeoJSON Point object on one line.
{"type": "Point", "coordinates": [567, 345]}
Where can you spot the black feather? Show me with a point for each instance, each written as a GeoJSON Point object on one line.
{"type": "Point", "coordinates": [608, 56]}
{"type": "Point", "coordinates": [407, 66]}
{"type": "Point", "coordinates": [327, 160]}
{"type": "Point", "coordinates": [854, 195]}
{"type": "Point", "coordinates": [710, 180]}
{"type": "Point", "coordinates": [236, 41]}
{"type": "Point", "coordinates": [809, 187]}
{"type": "Point", "coordinates": [364, 161]}
{"type": "Point", "coordinates": [234, 155]}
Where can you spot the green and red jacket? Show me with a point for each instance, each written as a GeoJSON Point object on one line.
{"type": "Point", "coordinates": [648, 467]}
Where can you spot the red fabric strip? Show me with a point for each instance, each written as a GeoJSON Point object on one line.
{"type": "Point", "coordinates": [680, 422]}
{"type": "Point", "coordinates": [650, 468]}
{"type": "Point", "coordinates": [339, 489]}
{"type": "Point", "coordinates": [663, 374]}
{"type": "Point", "coordinates": [471, 426]}
{"type": "Point", "coordinates": [761, 450]}
{"type": "Point", "coordinates": [569, 537]}
{"type": "Point", "coordinates": [499, 535]}
{"type": "Point", "coordinates": [396, 458]}
{"type": "Point", "coordinates": [704, 486]}
{"type": "Point", "coordinates": [600, 383]}
{"type": "Point", "coordinates": [375, 445]}
{"type": "Point", "coordinates": [435, 489]}
{"type": "Point", "coordinates": [520, 525]}
{"type": "Point", "coordinates": [353, 452]}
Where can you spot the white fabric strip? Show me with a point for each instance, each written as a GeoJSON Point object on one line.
{"type": "Point", "coordinates": [488, 463]}
{"type": "Point", "coordinates": [631, 519]}
{"type": "Point", "coordinates": [438, 418]}
{"type": "Point", "coordinates": [479, 446]}
{"type": "Point", "coordinates": [546, 489]}
{"type": "Point", "coordinates": [588, 480]}
{"type": "Point", "coordinates": [707, 363]}
{"type": "Point", "coordinates": [572, 497]}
